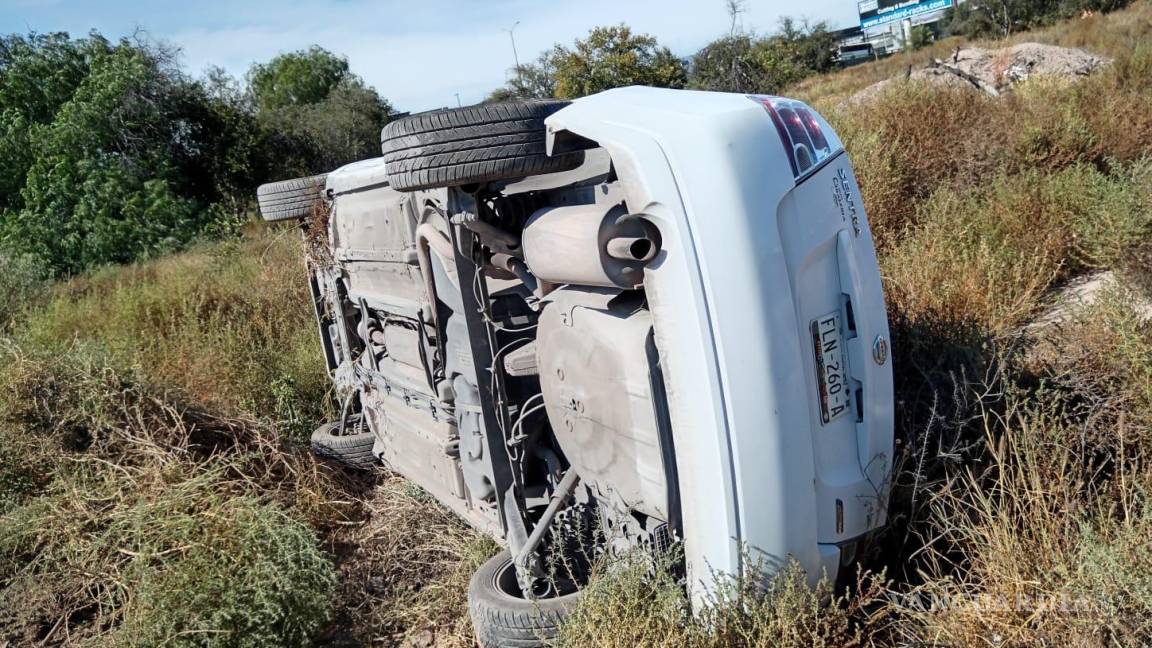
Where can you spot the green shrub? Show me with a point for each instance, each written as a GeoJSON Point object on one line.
{"type": "Point", "coordinates": [110, 153]}
{"type": "Point", "coordinates": [131, 518]}
{"type": "Point", "coordinates": [159, 556]}
{"type": "Point", "coordinates": [103, 181]}
{"type": "Point", "coordinates": [23, 281]}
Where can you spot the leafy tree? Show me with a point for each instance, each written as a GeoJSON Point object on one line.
{"type": "Point", "coordinates": [529, 81]}
{"type": "Point", "coordinates": [812, 45]}
{"type": "Point", "coordinates": [738, 63]}
{"type": "Point", "coordinates": [104, 184]}
{"type": "Point", "coordinates": [299, 78]}
{"type": "Point", "coordinates": [235, 151]}
{"type": "Point", "coordinates": [109, 153]}
{"type": "Point", "coordinates": [344, 127]}
{"type": "Point", "coordinates": [921, 37]}
{"type": "Point", "coordinates": [41, 71]}
{"type": "Point", "coordinates": [1001, 18]}
{"type": "Point", "coordinates": [763, 65]}
{"type": "Point", "coordinates": [38, 74]}
{"type": "Point", "coordinates": [316, 114]}
{"type": "Point", "coordinates": [611, 57]}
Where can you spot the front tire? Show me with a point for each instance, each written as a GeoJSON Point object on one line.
{"type": "Point", "coordinates": [502, 617]}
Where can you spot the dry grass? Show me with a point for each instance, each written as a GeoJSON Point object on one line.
{"type": "Point", "coordinates": [989, 254]}
{"type": "Point", "coordinates": [916, 140]}
{"type": "Point", "coordinates": [1040, 558]}
{"type": "Point", "coordinates": [156, 486]}
{"type": "Point", "coordinates": [152, 418]}
{"type": "Point", "coordinates": [635, 601]}
{"type": "Point", "coordinates": [1021, 502]}
{"type": "Point", "coordinates": [405, 574]}
{"type": "Point", "coordinates": [228, 325]}
{"type": "Point", "coordinates": [140, 521]}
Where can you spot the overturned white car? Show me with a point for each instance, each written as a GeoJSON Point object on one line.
{"type": "Point", "coordinates": [642, 317]}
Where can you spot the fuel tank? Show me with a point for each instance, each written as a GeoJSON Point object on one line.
{"type": "Point", "coordinates": [595, 377]}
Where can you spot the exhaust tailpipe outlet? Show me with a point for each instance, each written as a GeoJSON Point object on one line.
{"type": "Point", "coordinates": [589, 245]}
{"type": "Point", "coordinates": [631, 248]}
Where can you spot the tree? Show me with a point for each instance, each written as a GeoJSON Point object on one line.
{"type": "Point", "coordinates": [105, 183]}
{"type": "Point", "coordinates": [731, 64]}
{"type": "Point", "coordinates": [811, 45]}
{"type": "Point", "coordinates": [611, 57]}
{"type": "Point", "coordinates": [109, 153]}
{"type": "Point", "coordinates": [734, 9]}
{"type": "Point", "coordinates": [529, 81]}
{"type": "Point", "coordinates": [921, 37]}
{"type": "Point", "coordinates": [315, 113]}
{"type": "Point", "coordinates": [38, 74]}
{"type": "Point", "coordinates": [298, 78]}
{"type": "Point", "coordinates": [763, 65]}
{"type": "Point", "coordinates": [1002, 18]}
{"type": "Point", "coordinates": [344, 127]}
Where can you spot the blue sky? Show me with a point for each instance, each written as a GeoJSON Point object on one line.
{"type": "Point", "coordinates": [417, 53]}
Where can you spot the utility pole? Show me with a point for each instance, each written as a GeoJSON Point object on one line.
{"type": "Point", "coordinates": [458, 104]}
{"type": "Point", "coordinates": [515, 56]}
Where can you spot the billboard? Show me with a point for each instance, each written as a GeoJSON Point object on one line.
{"type": "Point", "coordinates": [879, 12]}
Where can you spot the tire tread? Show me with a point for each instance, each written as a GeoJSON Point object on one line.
{"type": "Point", "coordinates": [472, 145]}
{"type": "Point", "coordinates": [354, 450]}
{"type": "Point", "coordinates": [288, 199]}
{"type": "Point", "coordinates": [499, 621]}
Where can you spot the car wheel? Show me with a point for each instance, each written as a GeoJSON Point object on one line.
{"type": "Point", "coordinates": [354, 450]}
{"type": "Point", "coordinates": [473, 145]}
{"type": "Point", "coordinates": [501, 616]}
{"type": "Point", "coordinates": [289, 199]}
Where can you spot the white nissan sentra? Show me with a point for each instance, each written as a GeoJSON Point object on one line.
{"type": "Point", "coordinates": [644, 320]}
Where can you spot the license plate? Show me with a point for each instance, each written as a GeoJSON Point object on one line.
{"type": "Point", "coordinates": [831, 370]}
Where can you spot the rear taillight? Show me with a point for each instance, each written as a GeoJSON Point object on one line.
{"type": "Point", "coordinates": [813, 128]}
{"type": "Point", "coordinates": [801, 131]}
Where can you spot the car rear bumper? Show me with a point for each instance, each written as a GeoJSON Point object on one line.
{"type": "Point", "coordinates": [754, 476]}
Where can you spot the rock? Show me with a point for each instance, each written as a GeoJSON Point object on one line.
{"type": "Point", "coordinates": [1003, 68]}
{"type": "Point", "coordinates": [993, 71]}
{"type": "Point", "coordinates": [1081, 293]}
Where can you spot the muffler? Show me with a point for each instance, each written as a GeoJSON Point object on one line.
{"type": "Point", "coordinates": [589, 245]}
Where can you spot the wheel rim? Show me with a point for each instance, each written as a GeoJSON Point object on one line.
{"type": "Point", "coordinates": [504, 581]}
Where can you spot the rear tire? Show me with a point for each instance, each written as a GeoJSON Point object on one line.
{"type": "Point", "coordinates": [289, 199]}
{"type": "Point", "coordinates": [473, 145]}
{"type": "Point", "coordinates": [502, 617]}
{"type": "Point", "coordinates": [353, 450]}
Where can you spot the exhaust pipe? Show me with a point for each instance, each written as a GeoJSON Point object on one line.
{"type": "Point", "coordinates": [589, 245]}
{"type": "Point", "coordinates": [632, 249]}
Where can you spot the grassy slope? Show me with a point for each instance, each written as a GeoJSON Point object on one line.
{"type": "Point", "coordinates": [154, 486]}
{"type": "Point", "coordinates": [155, 482]}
